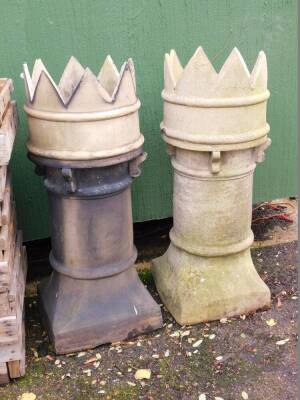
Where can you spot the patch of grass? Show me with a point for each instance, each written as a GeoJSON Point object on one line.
{"type": "Point", "coordinates": [124, 392]}
{"type": "Point", "coordinates": [146, 277]}
{"type": "Point", "coordinates": [172, 378]}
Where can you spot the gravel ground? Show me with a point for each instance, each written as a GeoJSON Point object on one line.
{"type": "Point", "coordinates": [248, 357]}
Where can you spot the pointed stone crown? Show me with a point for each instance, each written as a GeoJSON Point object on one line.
{"type": "Point", "coordinates": [85, 116]}
{"type": "Point", "coordinates": [209, 110]}
{"type": "Point", "coordinates": [200, 79]}
{"type": "Point", "coordinates": [79, 90]}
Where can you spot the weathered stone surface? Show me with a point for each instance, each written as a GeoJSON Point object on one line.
{"type": "Point", "coordinates": [197, 289]}
{"type": "Point", "coordinates": [84, 117]}
{"type": "Point", "coordinates": [216, 131]}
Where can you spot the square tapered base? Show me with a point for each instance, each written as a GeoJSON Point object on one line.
{"type": "Point", "coordinates": [200, 289]}
{"type": "Point", "coordinates": [82, 314]}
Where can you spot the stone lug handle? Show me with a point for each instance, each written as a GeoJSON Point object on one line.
{"type": "Point", "coordinates": [260, 151]}
{"type": "Point", "coordinates": [215, 162]}
{"type": "Point", "coordinates": [134, 165]}
{"type": "Point", "coordinates": [40, 170]}
{"type": "Point", "coordinates": [69, 179]}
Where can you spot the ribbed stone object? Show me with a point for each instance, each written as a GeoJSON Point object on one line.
{"type": "Point", "coordinates": [216, 131]}
{"type": "Point", "coordinates": [85, 139]}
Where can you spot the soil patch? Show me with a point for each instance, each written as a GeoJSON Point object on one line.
{"type": "Point", "coordinates": [239, 355]}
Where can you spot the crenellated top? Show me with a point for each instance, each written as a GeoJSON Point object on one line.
{"type": "Point", "coordinates": [79, 90]}
{"type": "Point", "coordinates": [199, 78]}
{"type": "Point", "coordinates": [207, 110]}
{"type": "Point", "coordinates": [84, 116]}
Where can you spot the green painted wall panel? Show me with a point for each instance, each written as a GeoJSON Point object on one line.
{"type": "Point", "coordinates": [145, 30]}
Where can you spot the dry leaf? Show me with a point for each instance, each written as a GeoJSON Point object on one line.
{"type": "Point", "coordinates": [28, 396]}
{"type": "Point", "coordinates": [271, 322]}
{"type": "Point", "coordinates": [279, 303]}
{"type": "Point", "coordinates": [90, 360]}
{"type": "Point", "coordinates": [131, 383]}
{"type": "Point", "coordinates": [245, 395]}
{"type": "Point", "coordinates": [185, 333]}
{"type": "Point", "coordinates": [202, 396]}
{"type": "Point", "coordinates": [219, 398]}
{"type": "Point", "coordinates": [142, 374]}
{"type": "Point", "coordinates": [282, 342]}
{"type": "Point", "coordinates": [198, 343]}
{"type": "Point", "coordinates": [88, 372]}
{"type": "Point", "coordinates": [212, 336]}
{"type": "Point", "coordinates": [219, 358]}
{"type": "Point", "coordinates": [81, 354]}
{"type": "Point", "coordinates": [35, 353]}
{"type": "Point", "coordinates": [223, 320]}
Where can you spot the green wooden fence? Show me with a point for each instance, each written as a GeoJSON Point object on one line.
{"type": "Point", "coordinates": [145, 30]}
